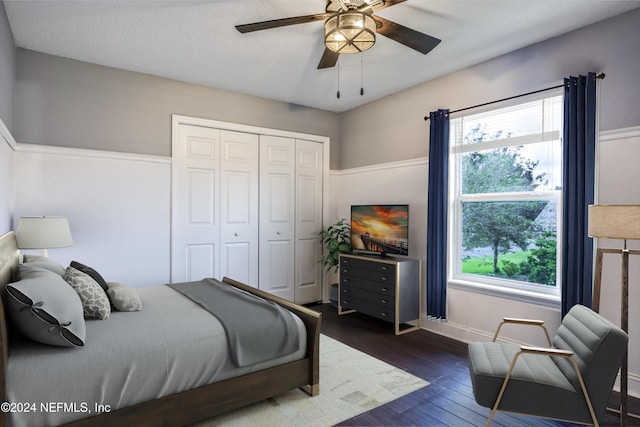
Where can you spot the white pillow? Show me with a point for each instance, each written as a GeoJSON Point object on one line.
{"type": "Point", "coordinates": [43, 262]}
{"type": "Point", "coordinates": [44, 308]}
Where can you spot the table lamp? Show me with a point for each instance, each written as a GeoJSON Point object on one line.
{"type": "Point", "coordinates": [43, 232]}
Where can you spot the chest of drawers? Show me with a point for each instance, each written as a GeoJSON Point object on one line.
{"type": "Point", "coordinates": [385, 288]}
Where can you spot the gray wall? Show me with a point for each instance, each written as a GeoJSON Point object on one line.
{"type": "Point", "coordinates": [7, 69]}
{"type": "Point", "coordinates": [610, 46]}
{"type": "Point", "coordinates": [7, 155]}
{"type": "Point", "coordinates": [70, 103]}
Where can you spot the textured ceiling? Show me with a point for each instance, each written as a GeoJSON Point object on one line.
{"type": "Point", "coordinates": [196, 42]}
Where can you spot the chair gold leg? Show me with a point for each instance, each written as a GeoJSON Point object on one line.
{"type": "Point", "coordinates": [584, 392]}
{"type": "Point", "coordinates": [503, 388]}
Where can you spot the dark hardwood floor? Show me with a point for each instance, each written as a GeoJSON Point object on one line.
{"type": "Point", "coordinates": [448, 400]}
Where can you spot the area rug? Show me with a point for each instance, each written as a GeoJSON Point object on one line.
{"type": "Point", "coordinates": [351, 383]}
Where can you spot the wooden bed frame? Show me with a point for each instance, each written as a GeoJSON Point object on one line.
{"type": "Point", "coordinates": [192, 405]}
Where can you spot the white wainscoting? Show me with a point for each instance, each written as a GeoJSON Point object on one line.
{"type": "Point", "coordinates": [118, 207]}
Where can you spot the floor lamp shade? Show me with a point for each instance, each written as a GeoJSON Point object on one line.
{"type": "Point", "coordinates": [43, 232]}
{"type": "Point", "coordinates": [615, 221]}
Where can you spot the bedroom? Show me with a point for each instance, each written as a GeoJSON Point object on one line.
{"type": "Point", "coordinates": [94, 95]}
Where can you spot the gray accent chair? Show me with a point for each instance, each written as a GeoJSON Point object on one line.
{"type": "Point", "coordinates": [571, 380]}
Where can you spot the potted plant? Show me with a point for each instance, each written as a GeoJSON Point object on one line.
{"type": "Point", "coordinates": [337, 240]}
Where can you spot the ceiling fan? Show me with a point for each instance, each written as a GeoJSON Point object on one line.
{"type": "Point", "coordinates": [357, 19]}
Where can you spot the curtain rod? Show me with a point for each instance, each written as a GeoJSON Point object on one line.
{"type": "Point", "coordinates": [599, 76]}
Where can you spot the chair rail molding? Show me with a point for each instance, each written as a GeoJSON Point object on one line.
{"type": "Point", "coordinates": [6, 135]}
{"type": "Point", "coordinates": [89, 153]}
{"type": "Point", "coordinates": [618, 134]}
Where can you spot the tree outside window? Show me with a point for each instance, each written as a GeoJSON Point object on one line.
{"type": "Point", "coordinates": [507, 168]}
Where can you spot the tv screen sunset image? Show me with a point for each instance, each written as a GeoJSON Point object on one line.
{"type": "Point", "coordinates": [380, 228]}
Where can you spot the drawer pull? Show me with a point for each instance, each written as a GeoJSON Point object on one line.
{"type": "Point", "coordinates": [383, 268]}
{"type": "Point", "coordinates": [384, 301]}
{"type": "Point", "coordinates": [345, 270]}
{"type": "Point", "coordinates": [383, 314]}
{"type": "Point", "coordinates": [345, 291]}
{"type": "Point", "coordinates": [345, 261]}
{"type": "Point", "coordinates": [384, 278]}
{"type": "Point", "coordinates": [345, 302]}
{"type": "Point", "coordinates": [384, 289]}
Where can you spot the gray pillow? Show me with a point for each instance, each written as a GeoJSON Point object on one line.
{"type": "Point", "coordinates": [123, 297]}
{"type": "Point", "coordinates": [95, 302]}
{"type": "Point", "coordinates": [46, 309]}
{"type": "Point", "coordinates": [43, 262]}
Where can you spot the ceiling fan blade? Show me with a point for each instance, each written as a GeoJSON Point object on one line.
{"type": "Point", "coordinates": [389, 3]}
{"type": "Point", "coordinates": [329, 59]}
{"type": "Point", "coordinates": [416, 40]}
{"type": "Point", "coordinates": [275, 23]}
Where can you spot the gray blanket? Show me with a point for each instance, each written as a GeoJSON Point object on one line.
{"type": "Point", "coordinates": [257, 330]}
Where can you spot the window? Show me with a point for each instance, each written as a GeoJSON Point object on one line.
{"type": "Point", "coordinates": [506, 168]}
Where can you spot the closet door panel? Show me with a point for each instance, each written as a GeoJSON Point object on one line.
{"type": "Point", "coordinates": [239, 206]}
{"type": "Point", "coordinates": [196, 226]}
{"type": "Point", "coordinates": [277, 215]}
{"type": "Point", "coordinates": [308, 197]}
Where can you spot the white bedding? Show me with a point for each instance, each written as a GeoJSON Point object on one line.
{"type": "Point", "coordinates": [172, 345]}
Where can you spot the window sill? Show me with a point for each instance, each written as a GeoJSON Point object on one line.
{"type": "Point", "coordinates": [546, 300]}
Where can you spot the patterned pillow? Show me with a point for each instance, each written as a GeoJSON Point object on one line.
{"type": "Point", "coordinates": [95, 302]}
{"type": "Point", "coordinates": [91, 272]}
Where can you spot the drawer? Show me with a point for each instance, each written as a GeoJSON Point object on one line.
{"type": "Point", "coordinates": [368, 308]}
{"type": "Point", "coordinates": [377, 266]}
{"type": "Point", "coordinates": [382, 300]}
{"type": "Point", "coordinates": [374, 276]}
{"type": "Point", "coordinates": [367, 285]}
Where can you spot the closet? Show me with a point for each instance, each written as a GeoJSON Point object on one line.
{"type": "Point", "coordinates": [247, 203]}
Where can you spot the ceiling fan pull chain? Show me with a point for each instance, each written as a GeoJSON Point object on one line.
{"type": "Point", "coordinates": [361, 75]}
{"type": "Point", "coordinates": [338, 93]}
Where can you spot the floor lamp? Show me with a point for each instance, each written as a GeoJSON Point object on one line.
{"type": "Point", "coordinates": [620, 222]}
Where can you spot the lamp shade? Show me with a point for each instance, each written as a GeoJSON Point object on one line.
{"type": "Point", "coordinates": [615, 221]}
{"type": "Point", "coordinates": [43, 232]}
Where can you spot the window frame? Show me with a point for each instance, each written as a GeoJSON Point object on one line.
{"type": "Point", "coordinates": [505, 288]}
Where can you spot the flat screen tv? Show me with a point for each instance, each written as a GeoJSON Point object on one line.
{"type": "Point", "coordinates": [380, 229]}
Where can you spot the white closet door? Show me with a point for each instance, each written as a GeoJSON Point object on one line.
{"type": "Point", "coordinates": [239, 206]}
{"type": "Point", "coordinates": [196, 233]}
{"type": "Point", "coordinates": [277, 220]}
{"type": "Point", "coordinates": [308, 273]}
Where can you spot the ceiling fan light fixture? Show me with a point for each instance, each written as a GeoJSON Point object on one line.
{"type": "Point", "coordinates": [350, 32]}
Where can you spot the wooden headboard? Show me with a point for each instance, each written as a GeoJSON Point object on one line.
{"type": "Point", "coordinates": [9, 258]}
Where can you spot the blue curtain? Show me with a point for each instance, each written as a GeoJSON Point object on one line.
{"type": "Point", "coordinates": [437, 214]}
{"type": "Point", "coordinates": [579, 143]}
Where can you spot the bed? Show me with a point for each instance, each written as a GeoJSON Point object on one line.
{"type": "Point", "coordinates": [193, 387]}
